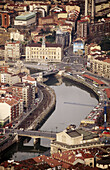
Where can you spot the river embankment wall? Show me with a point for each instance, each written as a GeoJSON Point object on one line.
{"type": "Point", "coordinates": [40, 120]}
{"type": "Point", "coordinates": [83, 84]}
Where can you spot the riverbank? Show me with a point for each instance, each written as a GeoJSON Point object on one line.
{"type": "Point", "coordinates": [96, 116]}
{"type": "Point", "coordinates": [40, 120]}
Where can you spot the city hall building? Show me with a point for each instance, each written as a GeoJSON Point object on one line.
{"type": "Point", "coordinates": [44, 52]}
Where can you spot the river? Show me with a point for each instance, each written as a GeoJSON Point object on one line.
{"type": "Point", "coordinates": [63, 115]}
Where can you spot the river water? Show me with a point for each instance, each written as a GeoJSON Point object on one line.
{"type": "Point", "coordinates": [63, 115]}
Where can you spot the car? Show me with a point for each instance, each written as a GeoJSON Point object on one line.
{"type": "Point", "coordinates": [21, 129]}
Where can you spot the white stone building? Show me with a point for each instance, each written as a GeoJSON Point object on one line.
{"type": "Point", "coordinates": [44, 52]}
{"type": "Point", "coordinates": [9, 78]}
{"type": "Point", "coordinates": [70, 138]}
{"type": "Point", "coordinates": [16, 36]}
{"type": "Point", "coordinates": [13, 50]}
{"type": "Point", "coordinates": [10, 108]}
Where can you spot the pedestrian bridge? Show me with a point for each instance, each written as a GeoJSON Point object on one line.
{"type": "Point", "coordinates": [37, 134]}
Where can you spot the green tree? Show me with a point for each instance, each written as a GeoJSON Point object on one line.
{"type": "Point", "coordinates": [105, 44]}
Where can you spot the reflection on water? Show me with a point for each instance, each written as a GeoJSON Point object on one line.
{"type": "Point", "coordinates": [63, 115]}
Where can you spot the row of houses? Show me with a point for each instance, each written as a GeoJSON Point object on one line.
{"type": "Point", "coordinates": [97, 60]}
{"type": "Point", "coordinates": [17, 93]}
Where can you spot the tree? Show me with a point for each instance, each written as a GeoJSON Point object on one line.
{"type": "Point", "coordinates": [105, 44]}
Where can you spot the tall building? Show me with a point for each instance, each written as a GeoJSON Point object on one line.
{"type": "Point", "coordinates": [7, 18]}
{"type": "Point", "coordinates": [100, 66]}
{"type": "Point", "coordinates": [100, 28]}
{"type": "Point", "coordinates": [10, 108]}
{"type": "Point", "coordinates": [9, 78]}
{"type": "Point", "coordinates": [62, 38]}
{"type": "Point", "coordinates": [26, 91]}
{"type": "Point", "coordinates": [90, 8]}
{"type": "Point", "coordinates": [13, 50]}
{"type": "Point", "coordinates": [82, 28]}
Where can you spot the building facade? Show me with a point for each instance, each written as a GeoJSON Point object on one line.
{"type": "Point", "coordinates": [44, 52]}
{"type": "Point", "coordinates": [9, 78]}
{"type": "Point", "coordinates": [26, 20]}
{"type": "Point", "coordinates": [7, 18]}
{"type": "Point", "coordinates": [100, 28]}
{"type": "Point", "coordinates": [82, 29]}
{"type": "Point", "coordinates": [13, 50]}
{"type": "Point", "coordinates": [63, 38]}
{"type": "Point", "coordinates": [3, 67]}
{"type": "Point", "coordinates": [72, 138]}
{"type": "Point", "coordinates": [100, 66]}
{"type": "Point", "coordinates": [17, 36]}
{"type": "Point", "coordinates": [26, 91]}
{"type": "Point", "coordinates": [10, 108]}
{"type": "Point", "coordinates": [78, 45]}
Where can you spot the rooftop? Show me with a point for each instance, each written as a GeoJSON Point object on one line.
{"type": "Point", "coordinates": [25, 16]}
{"type": "Point", "coordinates": [47, 45]}
{"type": "Point", "coordinates": [94, 79]}
{"type": "Point", "coordinates": [108, 92]}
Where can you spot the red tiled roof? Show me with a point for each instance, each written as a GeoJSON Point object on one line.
{"type": "Point", "coordinates": [50, 161]}
{"type": "Point", "coordinates": [108, 92]}
{"type": "Point", "coordinates": [72, 155]}
{"type": "Point", "coordinates": [84, 20]}
{"type": "Point", "coordinates": [100, 58]}
{"type": "Point", "coordinates": [9, 100]}
{"type": "Point", "coordinates": [47, 45]}
{"type": "Point", "coordinates": [94, 79]}
{"type": "Point", "coordinates": [107, 60]}
{"type": "Point", "coordinates": [95, 49]}
{"type": "Point", "coordinates": [29, 78]}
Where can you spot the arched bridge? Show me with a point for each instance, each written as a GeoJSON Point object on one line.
{"type": "Point", "coordinates": [37, 134]}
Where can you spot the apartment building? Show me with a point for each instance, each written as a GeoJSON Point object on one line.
{"type": "Point", "coordinates": [3, 67]}
{"type": "Point", "coordinates": [26, 91]}
{"type": "Point", "coordinates": [17, 36]}
{"type": "Point", "coordinates": [10, 108]}
{"type": "Point", "coordinates": [13, 50]}
{"type": "Point", "coordinates": [18, 68]}
{"type": "Point", "coordinates": [40, 8]}
{"type": "Point", "coordinates": [100, 28]}
{"type": "Point", "coordinates": [47, 20]}
{"type": "Point", "coordinates": [100, 66]}
{"type": "Point", "coordinates": [8, 78]}
{"type": "Point", "coordinates": [62, 38]}
{"type": "Point", "coordinates": [29, 79]}
{"type": "Point", "coordinates": [82, 28]}
{"type": "Point", "coordinates": [44, 52]}
{"type": "Point", "coordinates": [7, 18]}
